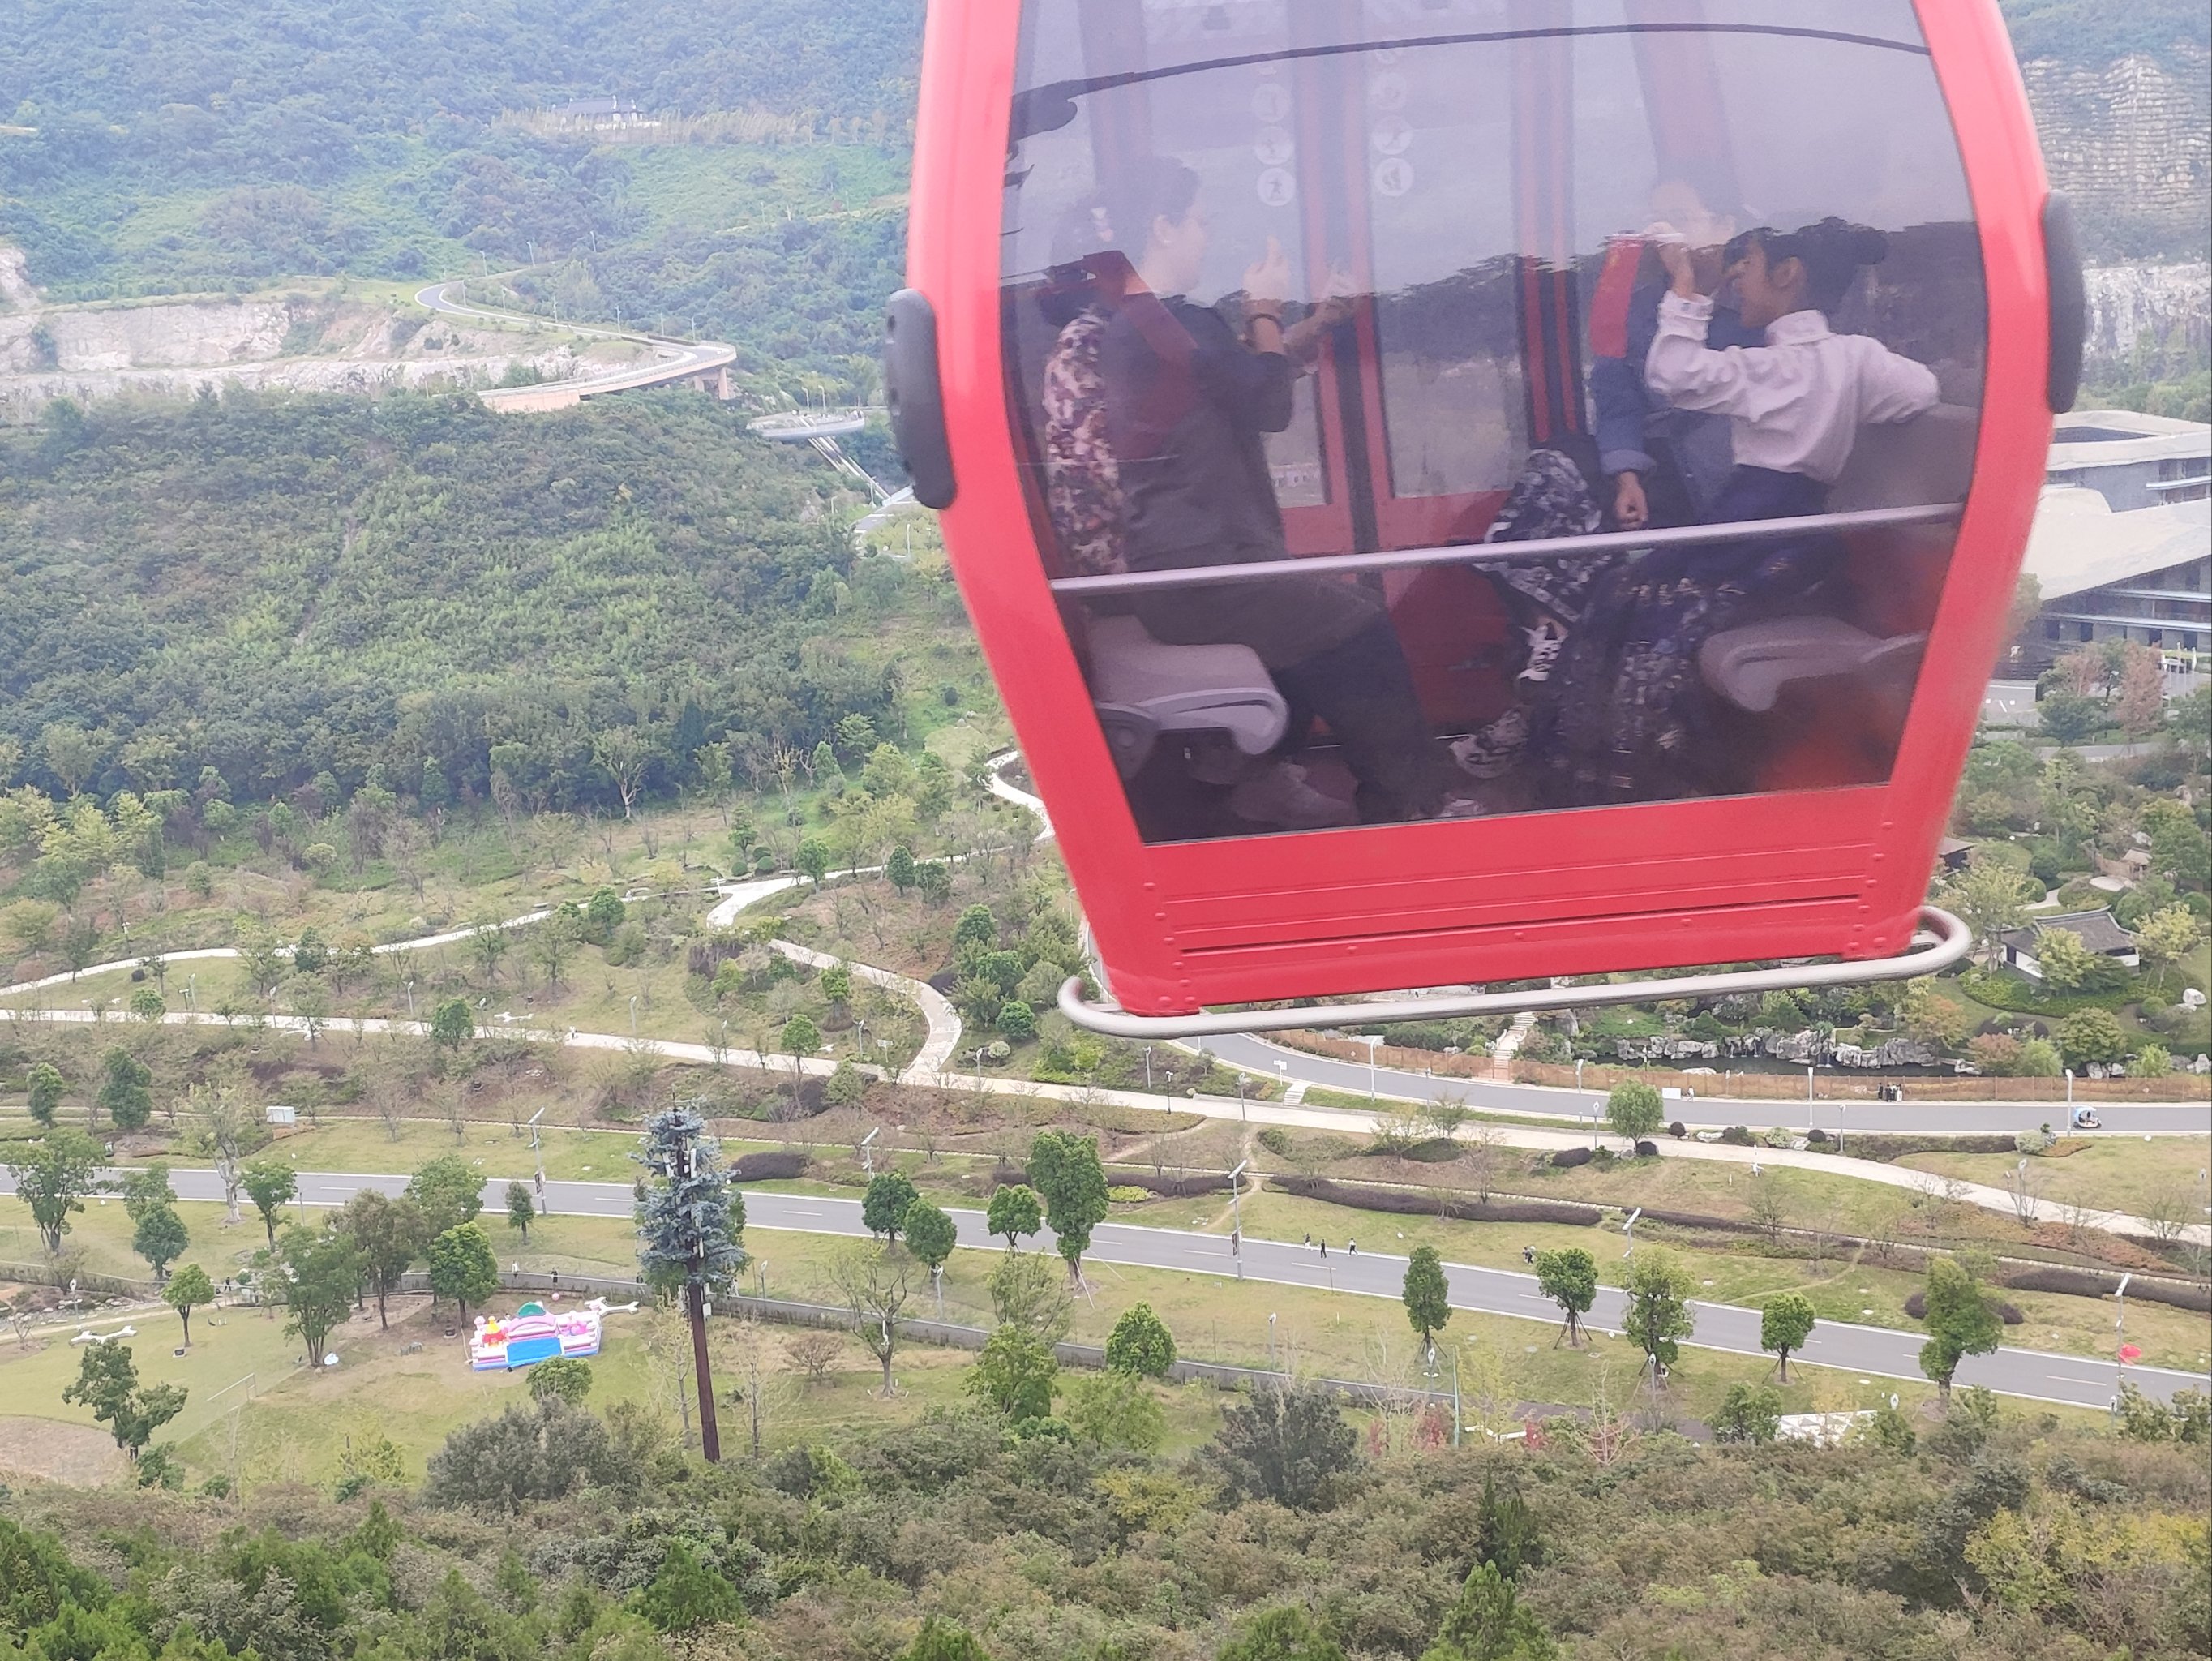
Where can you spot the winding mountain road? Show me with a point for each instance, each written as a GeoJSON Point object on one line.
{"type": "Point", "coordinates": [673, 360]}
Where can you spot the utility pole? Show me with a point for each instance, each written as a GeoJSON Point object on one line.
{"type": "Point", "coordinates": [684, 1228]}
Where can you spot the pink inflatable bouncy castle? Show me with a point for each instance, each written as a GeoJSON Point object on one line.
{"type": "Point", "coordinates": [530, 1335]}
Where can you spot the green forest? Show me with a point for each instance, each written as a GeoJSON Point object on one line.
{"type": "Point", "coordinates": [552, 1531]}
{"type": "Point", "coordinates": [247, 596]}
{"type": "Point", "coordinates": [160, 149]}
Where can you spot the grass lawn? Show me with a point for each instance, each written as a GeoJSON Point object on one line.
{"type": "Point", "coordinates": [2121, 1173]}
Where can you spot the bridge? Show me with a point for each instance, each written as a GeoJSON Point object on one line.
{"type": "Point", "coordinates": [704, 363]}
{"type": "Point", "coordinates": [820, 429]}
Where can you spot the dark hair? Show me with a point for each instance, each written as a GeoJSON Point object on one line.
{"type": "Point", "coordinates": [1158, 187]}
{"type": "Point", "coordinates": [1833, 253]}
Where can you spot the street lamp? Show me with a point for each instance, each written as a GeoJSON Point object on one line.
{"type": "Point", "coordinates": [1236, 1221]}
{"type": "Point", "coordinates": [2119, 1336]}
{"type": "Point", "coordinates": [1148, 1069]}
{"type": "Point", "coordinates": [868, 1153]}
{"type": "Point", "coordinates": [2069, 1094]}
{"type": "Point", "coordinates": [1374, 1041]}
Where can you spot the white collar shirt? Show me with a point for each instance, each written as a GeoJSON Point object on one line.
{"type": "Point", "coordinates": [1795, 404]}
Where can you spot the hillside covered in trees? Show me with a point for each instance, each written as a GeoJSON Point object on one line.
{"type": "Point", "coordinates": [296, 590]}
{"type": "Point", "coordinates": [550, 1532]}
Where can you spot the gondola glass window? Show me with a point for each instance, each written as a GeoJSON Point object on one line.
{"type": "Point", "coordinates": [1472, 335]}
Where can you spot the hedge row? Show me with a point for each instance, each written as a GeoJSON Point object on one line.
{"type": "Point", "coordinates": [2087, 1283]}
{"type": "Point", "coordinates": [770, 1167]}
{"type": "Point", "coordinates": [1407, 1203]}
{"type": "Point", "coordinates": [1172, 1187]}
{"type": "Point", "coordinates": [1884, 1149]}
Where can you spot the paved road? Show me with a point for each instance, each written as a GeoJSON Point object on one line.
{"type": "Point", "coordinates": [673, 360]}
{"type": "Point", "coordinates": [1256, 1055]}
{"type": "Point", "coordinates": [1869, 1352]}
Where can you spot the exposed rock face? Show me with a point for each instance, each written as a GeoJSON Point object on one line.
{"type": "Point", "coordinates": [174, 350]}
{"type": "Point", "coordinates": [2168, 305]}
{"type": "Point", "coordinates": [2132, 144]}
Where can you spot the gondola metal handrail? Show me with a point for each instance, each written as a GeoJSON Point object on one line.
{"type": "Point", "coordinates": [1509, 553]}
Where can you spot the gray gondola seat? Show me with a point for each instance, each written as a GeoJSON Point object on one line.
{"type": "Point", "coordinates": [1143, 687]}
{"type": "Point", "coordinates": [1928, 460]}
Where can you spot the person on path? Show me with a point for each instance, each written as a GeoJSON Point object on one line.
{"type": "Point", "coordinates": [1324, 1248]}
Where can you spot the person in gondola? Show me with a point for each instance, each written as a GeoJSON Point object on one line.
{"type": "Point", "coordinates": [1189, 403]}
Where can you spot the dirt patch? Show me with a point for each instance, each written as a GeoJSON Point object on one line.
{"type": "Point", "coordinates": [78, 1454]}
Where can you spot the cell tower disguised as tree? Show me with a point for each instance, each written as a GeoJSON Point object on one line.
{"type": "Point", "coordinates": [689, 1227]}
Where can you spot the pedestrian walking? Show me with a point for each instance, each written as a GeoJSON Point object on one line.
{"type": "Point", "coordinates": [1308, 1237]}
{"type": "Point", "coordinates": [1324, 1248]}
{"type": "Point", "coordinates": [1527, 1254]}
{"type": "Point", "coordinates": [1352, 1247]}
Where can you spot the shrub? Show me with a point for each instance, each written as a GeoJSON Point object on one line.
{"type": "Point", "coordinates": [1405, 1203]}
{"type": "Point", "coordinates": [1737, 1135]}
{"type": "Point", "coordinates": [1122, 1194]}
{"type": "Point", "coordinates": [780, 1166]}
{"type": "Point", "coordinates": [1678, 1130]}
{"type": "Point", "coordinates": [1647, 1150]}
{"type": "Point", "coordinates": [1276, 1140]}
{"type": "Point", "coordinates": [1816, 1138]}
{"type": "Point", "coordinates": [1432, 1150]}
{"type": "Point", "coordinates": [1916, 1305]}
{"type": "Point", "coordinates": [1568, 1157]}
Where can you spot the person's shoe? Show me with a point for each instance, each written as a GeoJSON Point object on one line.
{"type": "Point", "coordinates": [1281, 797]}
{"type": "Point", "coordinates": [1490, 750]}
{"type": "Point", "coordinates": [1544, 641]}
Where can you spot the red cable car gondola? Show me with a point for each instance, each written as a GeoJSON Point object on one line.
{"type": "Point", "coordinates": [1461, 490]}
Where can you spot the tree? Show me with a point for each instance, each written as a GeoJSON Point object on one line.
{"type": "Point", "coordinates": [271, 1185]}
{"type": "Point", "coordinates": [52, 1178]}
{"type": "Point", "coordinates": [1014, 1213]}
{"type": "Point", "coordinates": [812, 859]}
{"type": "Point", "coordinates": [687, 1592]}
{"type": "Point", "coordinates": [568, 1377]}
{"type": "Point", "coordinates": [1017, 1020]}
{"type": "Point", "coordinates": [488, 945]}
{"type": "Point", "coordinates": [317, 1276]}
{"type": "Point", "coordinates": [521, 1208]}
{"type": "Point", "coordinates": [45, 1084]}
{"type": "Point", "coordinates": [1784, 1324]}
{"type": "Point", "coordinates": [221, 1127]}
{"type": "Point", "coordinates": [1027, 1292]}
{"type": "Point", "coordinates": [1288, 1443]}
{"type": "Point", "coordinates": [603, 914]}
{"type": "Point", "coordinates": [876, 1284]}
{"type": "Point", "coordinates": [2092, 1035]}
{"type": "Point", "coordinates": [800, 1036]}
{"type": "Point", "coordinates": [1658, 1315]}
{"type": "Point", "coordinates": [836, 983]}
{"type": "Point", "coordinates": [1960, 1323]}
{"type": "Point", "coordinates": [1016, 1375]}
{"type": "Point", "coordinates": [386, 1235]}
{"type": "Point", "coordinates": [161, 1238]}
{"type": "Point", "coordinates": [1141, 1344]}
{"type": "Point", "coordinates": [500, 1464]}
{"type": "Point", "coordinates": [463, 1267]}
{"type": "Point", "coordinates": [1569, 1278]}
{"type": "Point", "coordinates": [452, 1024]}
{"type": "Point", "coordinates": [2068, 966]}
{"type": "Point", "coordinates": [555, 943]}
{"type": "Point", "coordinates": [107, 1383]}
{"type": "Point", "coordinates": [624, 753]}
{"type": "Point", "coordinates": [123, 1095]}
{"type": "Point", "coordinates": [447, 1192]}
{"type": "Point", "coordinates": [1748, 1413]}
{"type": "Point", "coordinates": [932, 879]}
{"type": "Point", "coordinates": [884, 1207]}
{"type": "Point", "coordinates": [1113, 1409]}
{"type": "Point", "coordinates": [1427, 1294]}
{"type": "Point", "coordinates": [2141, 705]}
{"type": "Point", "coordinates": [148, 1006]}
{"type": "Point", "coordinates": [1486, 1622]}
{"type": "Point", "coordinates": [1635, 1111]}
{"type": "Point", "coordinates": [900, 868]}
{"type": "Point", "coordinates": [1280, 1635]}
{"type": "Point", "coordinates": [188, 1288]}
{"type": "Point", "coordinates": [1932, 1018]}
{"type": "Point", "coordinates": [930, 1234]}
{"type": "Point", "coordinates": [941, 1640]}
{"type": "Point", "coordinates": [1988, 897]}
{"type": "Point", "coordinates": [2164, 937]}
{"type": "Point", "coordinates": [1064, 1169]}
{"type": "Point", "coordinates": [148, 1189]}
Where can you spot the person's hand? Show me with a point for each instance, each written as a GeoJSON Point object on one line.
{"type": "Point", "coordinates": [1267, 282]}
{"type": "Point", "coordinates": [1631, 511]}
{"type": "Point", "coordinates": [1676, 256]}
